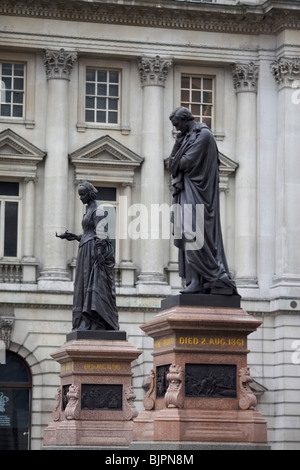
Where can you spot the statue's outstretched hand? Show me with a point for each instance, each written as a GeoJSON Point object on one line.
{"type": "Point", "coordinates": [67, 235]}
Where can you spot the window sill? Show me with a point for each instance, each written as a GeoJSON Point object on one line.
{"type": "Point", "coordinates": [82, 127]}
{"type": "Point", "coordinates": [28, 123]}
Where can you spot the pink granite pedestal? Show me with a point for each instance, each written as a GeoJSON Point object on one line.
{"type": "Point", "coordinates": [95, 400]}
{"type": "Point", "coordinates": [199, 387]}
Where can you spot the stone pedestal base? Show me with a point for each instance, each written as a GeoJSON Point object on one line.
{"type": "Point", "coordinates": [199, 386]}
{"type": "Point", "coordinates": [95, 402]}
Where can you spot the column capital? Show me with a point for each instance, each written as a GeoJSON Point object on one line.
{"type": "Point", "coordinates": [59, 64]}
{"type": "Point", "coordinates": [153, 70]}
{"type": "Point", "coordinates": [286, 71]}
{"type": "Point", "coordinates": [245, 77]}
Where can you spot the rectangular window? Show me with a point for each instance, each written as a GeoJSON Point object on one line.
{"type": "Point", "coordinates": [197, 94]}
{"type": "Point", "coordinates": [9, 219]}
{"type": "Point", "coordinates": [12, 90]}
{"type": "Point", "coordinates": [102, 96]}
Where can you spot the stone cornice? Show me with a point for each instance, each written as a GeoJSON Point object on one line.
{"type": "Point", "coordinates": [268, 18]}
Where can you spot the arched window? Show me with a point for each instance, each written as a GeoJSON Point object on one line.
{"type": "Point", "coordinates": [15, 400]}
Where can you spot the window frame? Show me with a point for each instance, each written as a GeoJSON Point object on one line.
{"type": "Point", "coordinates": [218, 75]}
{"type": "Point", "coordinates": [28, 61]}
{"type": "Point", "coordinates": [124, 82]}
{"type": "Point", "coordinates": [5, 198]}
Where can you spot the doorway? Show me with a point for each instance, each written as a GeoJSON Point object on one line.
{"type": "Point", "coordinates": [15, 403]}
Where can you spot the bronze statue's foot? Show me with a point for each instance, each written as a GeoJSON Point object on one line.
{"type": "Point", "coordinates": [192, 290]}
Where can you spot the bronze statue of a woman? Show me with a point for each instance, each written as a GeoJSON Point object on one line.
{"type": "Point", "coordinates": [94, 303]}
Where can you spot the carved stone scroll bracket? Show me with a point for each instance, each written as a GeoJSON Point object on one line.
{"type": "Point", "coordinates": [247, 399]}
{"type": "Point", "coordinates": [130, 411]}
{"type": "Point", "coordinates": [56, 413]}
{"type": "Point", "coordinates": [149, 400]}
{"type": "Point", "coordinates": [73, 406]}
{"type": "Point", "coordinates": [174, 397]}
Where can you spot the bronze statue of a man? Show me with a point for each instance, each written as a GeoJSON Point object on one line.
{"type": "Point", "coordinates": [194, 166]}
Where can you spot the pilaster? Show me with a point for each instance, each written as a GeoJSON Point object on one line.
{"type": "Point", "coordinates": [58, 66]}
{"type": "Point", "coordinates": [245, 79]}
{"type": "Point", "coordinates": [286, 71]}
{"type": "Point", "coordinates": [153, 74]}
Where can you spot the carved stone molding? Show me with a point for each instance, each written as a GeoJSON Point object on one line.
{"type": "Point", "coordinates": [245, 77]}
{"type": "Point", "coordinates": [153, 71]}
{"type": "Point", "coordinates": [174, 397]}
{"type": "Point", "coordinates": [269, 18]}
{"type": "Point", "coordinates": [59, 64]}
{"type": "Point", "coordinates": [248, 400]}
{"type": "Point", "coordinates": [286, 71]}
{"type": "Point", "coordinates": [6, 327]}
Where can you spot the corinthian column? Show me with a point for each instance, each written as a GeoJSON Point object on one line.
{"type": "Point", "coordinates": [58, 65]}
{"type": "Point", "coordinates": [286, 72]}
{"type": "Point", "coordinates": [153, 74]}
{"type": "Point", "coordinates": [245, 78]}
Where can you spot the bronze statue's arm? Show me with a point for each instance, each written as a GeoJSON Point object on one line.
{"type": "Point", "coordinates": [68, 236]}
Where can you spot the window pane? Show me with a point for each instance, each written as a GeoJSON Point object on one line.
{"type": "Point", "coordinates": [114, 77]}
{"type": "Point", "coordinates": [112, 117]}
{"type": "Point", "coordinates": [102, 89]}
{"type": "Point", "coordinates": [90, 75]}
{"type": "Point", "coordinates": [89, 116]}
{"type": "Point", "coordinates": [9, 189]}
{"type": "Point", "coordinates": [113, 104]}
{"type": "Point", "coordinates": [185, 82]}
{"type": "Point", "coordinates": [6, 69]}
{"type": "Point", "coordinates": [101, 103]}
{"type": "Point", "coordinates": [11, 228]}
{"type": "Point", "coordinates": [106, 194]}
{"type": "Point", "coordinates": [89, 102]}
{"type": "Point", "coordinates": [196, 83]}
{"type": "Point", "coordinates": [5, 110]}
{"type": "Point", "coordinates": [17, 111]}
{"type": "Point", "coordinates": [90, 88]}
{"type": "Point", "coordinates": [101, 116]}
{"type": "Point", "coordinates": [102, 75]}
{"type": "Point", "coordinates": [113, 90]}
{"type": "Point", "coordinates": [207, 83]}
{"type": "Point", "coordinates": [18, 83]}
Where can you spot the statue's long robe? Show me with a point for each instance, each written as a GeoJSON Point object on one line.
{"type": "Point", "coordinates": [194, 165]}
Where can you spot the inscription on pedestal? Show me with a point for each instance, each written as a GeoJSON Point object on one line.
{"type": "Point", "coordinates": [210, 381]}
{"type": "Point", "coordinates": [101, 397]}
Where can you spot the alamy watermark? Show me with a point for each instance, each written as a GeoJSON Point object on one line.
{"type": "Point", "coordinates": [137, 221]}
{"type": "Point", "coordinates": [296, 353]}
{"type": "Point", "coordinates": [296, 93]}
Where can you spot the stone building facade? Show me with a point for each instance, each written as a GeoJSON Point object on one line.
{"type": "Point", "coordinates": [86, 91]}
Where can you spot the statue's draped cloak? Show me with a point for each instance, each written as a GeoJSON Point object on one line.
{"type": "Point", "coordinates": [194, 165]}
{"type": "Point", "coordinates": [94, 303]}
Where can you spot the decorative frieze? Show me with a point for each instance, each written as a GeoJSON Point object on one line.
{"type": "Point", "coordinates": [236, 18]}
{"type": "Point", "coordinates": [245, 77]}
{"type": "Point", "coordinates": [286, 71]}
{"type": "Point", "coordinates": [59, 64]}
{"type": "Point", "coordinates": [153, 71]}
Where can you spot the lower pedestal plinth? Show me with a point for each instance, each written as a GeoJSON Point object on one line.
{"type": "Point", "coordinates": [95, 400]}
{"type": "Point", "coordinates": [180, 425]}
{"type": "Point", "coordinates": [199, 386]}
